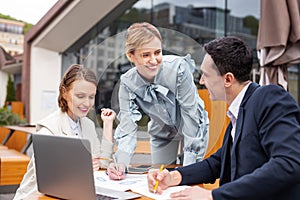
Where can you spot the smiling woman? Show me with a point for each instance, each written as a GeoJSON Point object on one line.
{"type": "Point", "coordinates": [76, 98]}
{"type": "Point", "coordinates": [161, 87]}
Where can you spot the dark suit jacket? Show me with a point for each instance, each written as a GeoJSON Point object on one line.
{"type": "Point", "coordinates": [264, 160]}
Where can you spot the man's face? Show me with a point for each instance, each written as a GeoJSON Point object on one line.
{"type": "Point", "coordinates": [212, 79]}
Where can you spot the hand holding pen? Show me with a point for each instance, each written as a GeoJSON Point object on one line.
{"type": "Point", "coordinates": [158, 179]}
{"type": "Point", "coordinates": [116, 171]}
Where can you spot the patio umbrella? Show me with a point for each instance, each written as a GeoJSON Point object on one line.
{"type": "Point", "coordinates": [278, 41]}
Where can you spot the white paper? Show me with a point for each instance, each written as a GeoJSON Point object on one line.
{"type": "Point", "coordinates": [134, 182]}
{"type": "Point", "coordinates": [143, 190]}
{"type": "Point", "coordinates": [131, 181]}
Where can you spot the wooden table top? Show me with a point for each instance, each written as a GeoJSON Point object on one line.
{"type": "Point", "coordinates": [27, 129]}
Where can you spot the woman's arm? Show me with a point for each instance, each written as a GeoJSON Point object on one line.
{"type": "Point", "coordinates": [194, 117]}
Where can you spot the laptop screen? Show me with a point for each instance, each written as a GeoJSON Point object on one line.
{"type": "Point", "coordinates": [64, 167]}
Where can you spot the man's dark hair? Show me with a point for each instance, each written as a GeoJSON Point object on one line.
{"type": "Point", "coordinates": [231, 54]}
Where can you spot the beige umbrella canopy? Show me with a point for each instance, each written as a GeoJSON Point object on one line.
{"type": "Point", "coordinates": [278, 41]}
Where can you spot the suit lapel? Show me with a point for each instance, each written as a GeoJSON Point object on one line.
{"type": "Point", "coordinates": [238, 131]}
{"type": "Point", "coordinates": [226, 164]}
{"type": "Point", "coordinates": [239, 127]}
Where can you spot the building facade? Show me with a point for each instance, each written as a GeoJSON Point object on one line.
{"type": "Point", "coordinates": [12, 36]}
{"type": "Point", "coordinates": [11, 44]}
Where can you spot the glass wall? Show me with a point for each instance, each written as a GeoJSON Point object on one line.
{"type": "Point", "coordinates": [185, 26]}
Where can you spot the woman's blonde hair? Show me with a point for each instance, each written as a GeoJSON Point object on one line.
{"type": "Point", "coordinates": [139, 34]}
{"type": "Point", "coordinates": [75, 72]}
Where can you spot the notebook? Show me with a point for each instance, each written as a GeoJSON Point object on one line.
{"type": "Point", "coordinates": [64, 169]}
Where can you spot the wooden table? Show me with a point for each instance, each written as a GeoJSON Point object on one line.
{"type": "Point", "coordinates": [26, 129]}
{"type": "Point", "coordinates": [39, 196]}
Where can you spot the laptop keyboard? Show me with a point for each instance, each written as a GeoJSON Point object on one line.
{"type": "Point", "coordinates": [103, 197]}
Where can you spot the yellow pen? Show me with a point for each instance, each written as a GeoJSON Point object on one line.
{"type": "Point", "coordinates": [156, 184]}
{"type": "Point", "coordinates": [102, 158]}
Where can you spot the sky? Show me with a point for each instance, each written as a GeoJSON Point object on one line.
{"type": "Point", "coordinates": [30, 11]}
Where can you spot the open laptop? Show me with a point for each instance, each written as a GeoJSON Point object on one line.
{"type": "Point", "coordinates": [64, 169]}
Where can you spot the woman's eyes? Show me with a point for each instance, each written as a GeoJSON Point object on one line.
{"type": "Point", "coordinates": [80, 96]}
{"type": "Point", "coordinates": [145, 55]}
{"type": "Point", "coordinates": [157, 52]}
{"type": "Point", "coordinates": [83, 96]}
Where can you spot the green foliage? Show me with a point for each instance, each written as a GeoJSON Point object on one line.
{"type": "Point", "coordinates": [10, 90]}
{"type": "Point", "coordinates": [252, 23]}
{"type": "Point", "coordinates": [136, 14]}
{"type": "Point", "coordinates": [9, 118]}
{"type": "Point", "coordinates": [27, 27]}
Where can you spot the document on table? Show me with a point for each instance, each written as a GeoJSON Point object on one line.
{"type": "Point", "coordinates": [131, 181]}
{"type": "Point", "coordinates": [134, 182]}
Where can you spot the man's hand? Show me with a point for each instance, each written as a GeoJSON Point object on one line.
{"type": "Point", "coordinates": [191, 193]}
{"type": "Point", "coordinates": [164, 179]}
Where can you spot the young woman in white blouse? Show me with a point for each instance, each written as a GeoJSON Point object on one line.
{"type": "Point", "coordinates": [77, 92]}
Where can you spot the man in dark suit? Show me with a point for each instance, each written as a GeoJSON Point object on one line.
{"type": "Point", "coordinates": [260, 154]}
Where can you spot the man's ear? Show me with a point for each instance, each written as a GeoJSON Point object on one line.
{"type": "Point", "coordinates": [228, 79]}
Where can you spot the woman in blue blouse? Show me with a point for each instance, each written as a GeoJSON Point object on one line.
{"type": "Point", "coordinates": [161, 87]}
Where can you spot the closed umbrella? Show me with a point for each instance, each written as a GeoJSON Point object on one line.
{"type": "Point", "coordinates": [278, 41]}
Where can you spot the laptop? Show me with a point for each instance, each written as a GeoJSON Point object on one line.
{"type": "Point", "coordinates": [64, 169]}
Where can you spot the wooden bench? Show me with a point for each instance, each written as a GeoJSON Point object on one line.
{"type": "Point", "coordinates": [13, 162]}
{"type": "Point", "coordinates": [15, 134]}
{"type": "Point", "coordinates": [13, 166]}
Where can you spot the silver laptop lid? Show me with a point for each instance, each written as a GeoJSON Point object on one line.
{"type": "Point", "coordinates": [64, 167]}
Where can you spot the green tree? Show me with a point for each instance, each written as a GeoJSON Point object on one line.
{"type": "Point", "coordinates": [252, 23]}
{"type": "Point", "coordinates": [10, 90]}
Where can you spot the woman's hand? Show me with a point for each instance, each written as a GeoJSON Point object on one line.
{"type": "Point", "coordinates": [107, 115]}
{"type": "Point", "coordinates": [116, 171]}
